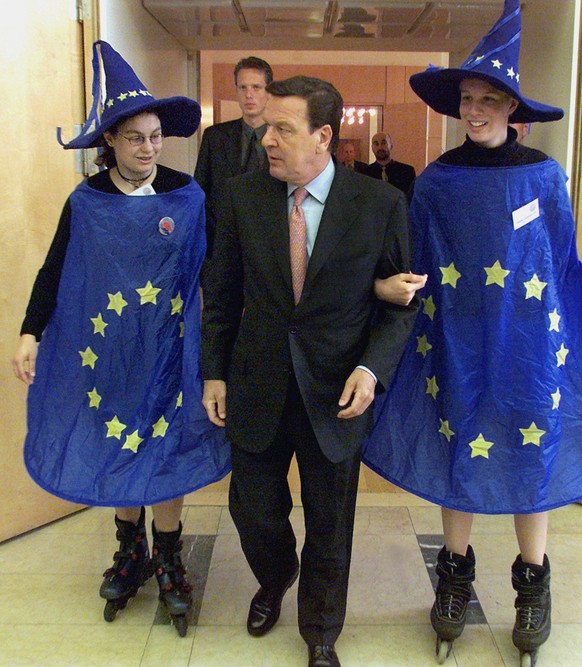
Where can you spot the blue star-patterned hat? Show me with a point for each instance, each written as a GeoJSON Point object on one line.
{"type": "Point", "coordinates": [496, 60]}
{"type": "Point", "coordinates": [119, 94]}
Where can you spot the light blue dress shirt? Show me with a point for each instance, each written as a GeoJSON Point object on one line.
{"type": "Point", "coordinates": [313, 205]}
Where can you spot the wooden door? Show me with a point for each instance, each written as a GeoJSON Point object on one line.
{"type": "Point", "coordinates": [41, 87]}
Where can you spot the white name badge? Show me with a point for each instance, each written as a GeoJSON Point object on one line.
{"type": "Point", "coordinates": [522, 216]}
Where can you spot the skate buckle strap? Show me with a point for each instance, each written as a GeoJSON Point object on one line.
{"type": "Point", "coordinates": [529, 574]}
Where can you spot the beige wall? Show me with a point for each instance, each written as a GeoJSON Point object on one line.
{"type": "Point", "coordinates": [38, 94]}
{"type": "Point", "coordinates": [158, 59]}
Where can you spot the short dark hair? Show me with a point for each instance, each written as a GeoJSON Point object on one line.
{"type": "Point", "coordinates": [324, 103]}
{"type": "Point", "coordinates": [254, 63]}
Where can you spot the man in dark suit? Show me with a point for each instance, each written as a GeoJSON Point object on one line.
{"type": "Point", "coordinates": [292, 368]}
{"type": "Point", "coordinates": [348, 158]}
{"type": "Point", "coordinates": [398, 174]}
{"type": "Point", "coordinates": [234, 147]}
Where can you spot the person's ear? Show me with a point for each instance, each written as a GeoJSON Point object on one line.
{"type": "Point", "coordinates": [325, 136]}
{"type": "Point", "coordinates": [108, 138]}
{"type": "Point", "coordinates": [513, 105]}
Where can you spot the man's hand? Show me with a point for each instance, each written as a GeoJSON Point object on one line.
{"type": "Point", "coordinates": [400, 288]}
{"type": "Point", "coordinates": [214, 401]}
{"type": "Point", "coordinates": [359, 388]}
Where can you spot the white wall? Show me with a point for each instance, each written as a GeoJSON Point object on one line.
{"type": "Point", "coordinates": [158, 59]}
{"type": "Point", "coordinates": [548, 56]}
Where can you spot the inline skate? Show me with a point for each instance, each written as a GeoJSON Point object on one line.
{"type": "Point", "coordinates": [448, 614]}
{"type": "Point", "coordinates": [131, 568]}
{"type": "Point", "coordinates": [175, 591]}
{"type": "Point", "coordinates": [533, 608]}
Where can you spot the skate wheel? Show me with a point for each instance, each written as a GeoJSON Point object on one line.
{"type": "Point", "coordinates": [443, 650]}
{"type": "Point", "coordinates": [528, 659]}
{"type": "Point", "coordinates": [181, 623]}
{"type": "Point", "coordinates": [110, 611]}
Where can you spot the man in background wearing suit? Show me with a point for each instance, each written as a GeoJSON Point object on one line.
{"type": "Point", "coordinates": [348, 158]}
{"type": "Point", "coordinates": [293, 355]}
{"type": "Point", "coordinates": [234, 147]}
{"type": "Point", "coordinates": [398, 174]}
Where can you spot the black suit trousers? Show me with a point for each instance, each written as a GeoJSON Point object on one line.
{"type": "Point", "coordinates": [260, 505]}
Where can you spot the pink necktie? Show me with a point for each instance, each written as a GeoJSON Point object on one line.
{"type": "Point", "coordinates": [298, 243]}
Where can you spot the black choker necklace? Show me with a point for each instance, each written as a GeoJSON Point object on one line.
{"type": "Point", "coordinates": [135, 181]}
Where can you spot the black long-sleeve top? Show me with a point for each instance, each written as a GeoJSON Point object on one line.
{"type": "Point", "coordinates": [509, 154]}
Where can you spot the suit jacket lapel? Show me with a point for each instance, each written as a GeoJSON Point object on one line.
{"type": "Point", "coordinates": [340, 212]}
{"type": "Point", "coordinates": [272, 212]}
{"type": "Point", "coordinates": [234, 148]}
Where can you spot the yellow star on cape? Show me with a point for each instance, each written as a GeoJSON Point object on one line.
{"type": "Point", "coordinates": [446, 430]}
{"type": "Point", "coordinates": [431, 386]}
{"type": "Point", "coordinates": [182, 329]}
{"type": "Point", "coordinates": [531, 435]}
{"type": "Point", "coordinates": [496, 275]}
{"type": "Point", "coordinates": [450, 275]}
{"type": "Point", "coordinates": [554, 320]}
{"type": "Point", "coordinates": [428, 307]}
{"type": "Point", "coordinates": [179, 400]}
{"type": "Point", "coordinates": [132, 441]}
{"type": "Point", "coordinates": [148, 293]}
{"type": "Point", "coordinates": [423, 345]}
{"type": "Point", "coordinates": [556, 396]}
{"type": "Point", "coordinates": [160, 427]}
{"type": "Point", "coordinates": [94, 398]}
{"type": "Point", "coordinates": [115, 428]}
{"type": "Point", "coordinates": [561, 355]}
{"type": "Point", "coordinates": [116, 302]}
{"type": "Point", "coordinates": [99, 325]}
{"type": "Point", "coordinates": [534, 288]}
{"type": "Point", "coordinates": [177, 304]}
{"type": "Point", "coordinates": [89, 357]}
{"type": "Point", "coordinates": [480, 447]}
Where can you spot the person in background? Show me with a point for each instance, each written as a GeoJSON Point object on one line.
{"type": "Point", "coordinates": [398, 174]}
{"type": "Point", "coordinates": [348, 158]}
{"type": "Point", "coordinates": [234, 147]}
{"type": "Point", "coordinates": [114, 412]}
{"type": "Point", "coordinates": [295, 348]}
{"type": "Point", "coordinates": [484, 413]}
{"type": "Point", "coordinates": [522, 130]}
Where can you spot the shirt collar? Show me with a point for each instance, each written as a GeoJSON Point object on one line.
{"type": "Point", "coordinates": [320, 186]}
{"type": "Point", "coordinates": [259, 131]}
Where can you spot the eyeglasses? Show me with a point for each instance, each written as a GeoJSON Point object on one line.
{"type": "Point", "coordinates": [139, 139]}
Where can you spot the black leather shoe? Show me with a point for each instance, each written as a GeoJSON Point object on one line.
{"type": "Point", "coordinates": [323, 656]}
{"type": "Point", "coordinates": [265, 608]}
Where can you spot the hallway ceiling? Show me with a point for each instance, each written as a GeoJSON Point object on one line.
{"type": "Point", "coordinates": [389, 25]}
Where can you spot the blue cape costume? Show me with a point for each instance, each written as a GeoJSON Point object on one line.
{"type": "Point", "coordinates": [485, 412]}
{"type": "Point", "coordinates": [115, 415]}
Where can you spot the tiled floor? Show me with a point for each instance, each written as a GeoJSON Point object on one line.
{"type": "Point", "coordinates": [51, 613]}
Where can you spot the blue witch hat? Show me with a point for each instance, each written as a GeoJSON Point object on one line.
{"type": "Point", "coordinates": [496, 60]}
{"type": "Point", "coordinates": [119, 94]}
